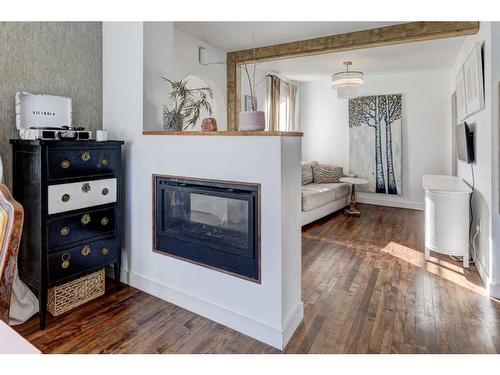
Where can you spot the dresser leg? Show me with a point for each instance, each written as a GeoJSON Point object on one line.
{"type": "Point", "coordinates": [117, 267]}
{"type": "Point", "coordinates": [42, 305]}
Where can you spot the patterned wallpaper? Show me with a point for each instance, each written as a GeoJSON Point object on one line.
{"type": "Point", "coordinates": [58, 58]}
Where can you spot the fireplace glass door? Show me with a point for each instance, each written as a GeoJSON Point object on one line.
{"type": "Point", "coordinates": [212, 223]}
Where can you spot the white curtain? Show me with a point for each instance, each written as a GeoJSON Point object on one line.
{"type": "Point", "coordinates": [292, 108]}
{"type": "Point", "coordinates": [273, 103]}
{"type": "Point", "coordinates": [281, 93]}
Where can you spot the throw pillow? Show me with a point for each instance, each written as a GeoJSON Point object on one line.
{"type": "Point", "coordinates": [307, 173]}
{"type": "Point", "coordinates": [326, 174]}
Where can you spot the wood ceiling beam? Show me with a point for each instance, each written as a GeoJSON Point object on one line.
{"type": "Point", "coordinates": [383, 36]}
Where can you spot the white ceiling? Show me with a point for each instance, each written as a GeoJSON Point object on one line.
{"type": "Point", "coordinates": [429, 55]}
{"type": "Point", "coordinates": [234, 36]}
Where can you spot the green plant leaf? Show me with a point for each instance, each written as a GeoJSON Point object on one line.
{"type": "Point", "coordinates": [186, 103]}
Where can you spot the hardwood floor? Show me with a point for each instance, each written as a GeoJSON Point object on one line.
{"type": "Point", "coordinates": [365, 287]}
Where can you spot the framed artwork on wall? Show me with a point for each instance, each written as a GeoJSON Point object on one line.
{"type": "Point", "coordinates": [460, 95]}
{"type": "Point", "coordinates": [375, 149]}
{"type": "Point", "coordinates": [473, 76]}
{"type": "Point", "coordinates": [469, 85]}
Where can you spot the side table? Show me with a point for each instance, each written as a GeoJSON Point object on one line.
{"type": "Point", "coordinates": [353, 210]}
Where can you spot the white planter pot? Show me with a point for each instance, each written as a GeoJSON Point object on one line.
{"type": "Point", "coordinates": [252, 121]}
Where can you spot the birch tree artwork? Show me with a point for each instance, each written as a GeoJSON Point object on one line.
{"type": "Point", "coordinates": [375, 141]}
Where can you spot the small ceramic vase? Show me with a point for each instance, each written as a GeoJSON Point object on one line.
{"type": "Point", "coordinates": [209, 124]}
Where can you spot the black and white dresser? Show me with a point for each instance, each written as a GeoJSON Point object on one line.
{"type": "Point", "coordinates": [70, 191]}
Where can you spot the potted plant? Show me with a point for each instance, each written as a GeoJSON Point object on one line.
{"type": "Point", "coordinates": [186, 105]}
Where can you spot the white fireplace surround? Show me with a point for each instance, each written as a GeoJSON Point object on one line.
{"type": "Point", "coordinates": [270, 311]}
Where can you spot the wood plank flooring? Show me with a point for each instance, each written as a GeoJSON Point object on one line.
{"type": "Point", "coordinates": [365, 287]}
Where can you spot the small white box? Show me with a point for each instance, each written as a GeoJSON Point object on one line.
{"type": "Point", "coordinates": [101, 135]}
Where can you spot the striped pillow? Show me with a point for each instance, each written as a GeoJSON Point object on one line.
{"type": "Point", "coordinates": [326, 174]}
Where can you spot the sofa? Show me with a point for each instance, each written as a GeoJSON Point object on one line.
{"type": "Point", "coordinates": [321, 199]}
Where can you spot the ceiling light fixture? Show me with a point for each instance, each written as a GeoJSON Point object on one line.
{"type": "Point", "coordinates": [347, 83]}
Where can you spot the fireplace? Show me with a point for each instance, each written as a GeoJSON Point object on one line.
{"type": "Point", "coordinates": [211, 223]}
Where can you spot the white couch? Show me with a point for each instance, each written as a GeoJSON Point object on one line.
{"type": "Point", "coordinates": [319, 200]}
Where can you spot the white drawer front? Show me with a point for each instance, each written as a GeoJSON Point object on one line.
{"type": "Point", "coordinates": [67, 197]}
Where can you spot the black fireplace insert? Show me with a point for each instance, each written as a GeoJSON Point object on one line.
{"type": "Point", "coordinates": [210, 223]}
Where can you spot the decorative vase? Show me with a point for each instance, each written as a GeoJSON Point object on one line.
{"type": "Point", "coordinates": [209, 124]}
{"type": "Point", "coordinates": [252, 121]}
{"type": "Point", "coordinates": [176, 126]}
{"type": "Point", "coordinates": [179, 124]}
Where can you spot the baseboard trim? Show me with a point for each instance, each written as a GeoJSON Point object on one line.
{"type": "Point", "coordinates": [292, 323]}
{"type": "Point", "coordinates": [495, 291]}
{"type": "Point", "coordinates": [482, 271]}
{"type": "Point", "coordinates": [390, 203]}
{"type": "Point", "coordinates": [241, 323]}
{"type": "Point", "coordinates": [492, 289]}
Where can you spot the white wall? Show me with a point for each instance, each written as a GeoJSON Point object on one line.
{"type": "Point", "coordinates": [323, 119]}
{"type": "Point", "coordinates": [269, 311]}
{"type": "Point", "coordinates": [485, 127]}
{"type": "Point", "coordinates": [291, 203]}
{"type": "Point", "coordinates": [426, 128]}
{"type": "Point", "coordinates": [173, 53]}
{"type": "Point", "coordinates": [159, 48]}
{"type": "Point", "coordinates": [186, 63]}
{"type": "Point", "coordinates": [495, 176]}
{"type": "Point", "coordinates": [480, 123]}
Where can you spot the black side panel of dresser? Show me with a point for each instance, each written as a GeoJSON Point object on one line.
{"type": "Point", "coordinates": [27, 190]}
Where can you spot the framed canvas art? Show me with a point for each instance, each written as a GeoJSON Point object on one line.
{"type": "Point", "coordinates": [473, 77]}
{"type": "Point", "coordinates": [460, 93]}
{"type": "Point", "coordinates": [375, 124]}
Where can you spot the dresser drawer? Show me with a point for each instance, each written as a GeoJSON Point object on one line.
{"type": "Point", "coordinates": [81, 227]}
{"type": "Point", "coordinates": [78, 259]}
{"type": "Point", "coordinates": [81, 162]}
{"type": "Point", "coordinates": [78, 195]}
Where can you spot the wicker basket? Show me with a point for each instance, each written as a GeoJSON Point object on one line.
{"type": "Point", "coordinates": [67, 296]}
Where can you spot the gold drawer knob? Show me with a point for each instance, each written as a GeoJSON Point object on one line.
{"type": "Point", "coordinates": [104, 221]}
{"type": "Point", "coordinates": [65, 260]}
{"type": "Point", "coordinates": [65, 164]}
{"type": "Point", "coordinates": [104, 250]}
{"type": "Point", "coordinates": [86, 187]}
{"type": "Point", "coordinates": [64, 231]}
{"type": "Point", "coordinates": [65, 198]}
{"type": "Point", "coordinates": [104, 162]}
{"type": "Point", "coordinates": [85, 219]}
{"type": "Point", "coordinates": [86, 250]}
{"type": "Point", "coordinates": [105, 191]}
{"type": "Point", "coordinates": [85, 156]}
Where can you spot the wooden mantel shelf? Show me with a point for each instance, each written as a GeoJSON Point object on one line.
{"type": "Point", "coordinates": [224, 133]}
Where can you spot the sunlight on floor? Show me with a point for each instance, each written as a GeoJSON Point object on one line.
{"type": "Point", "coordinates": [439, 267]}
